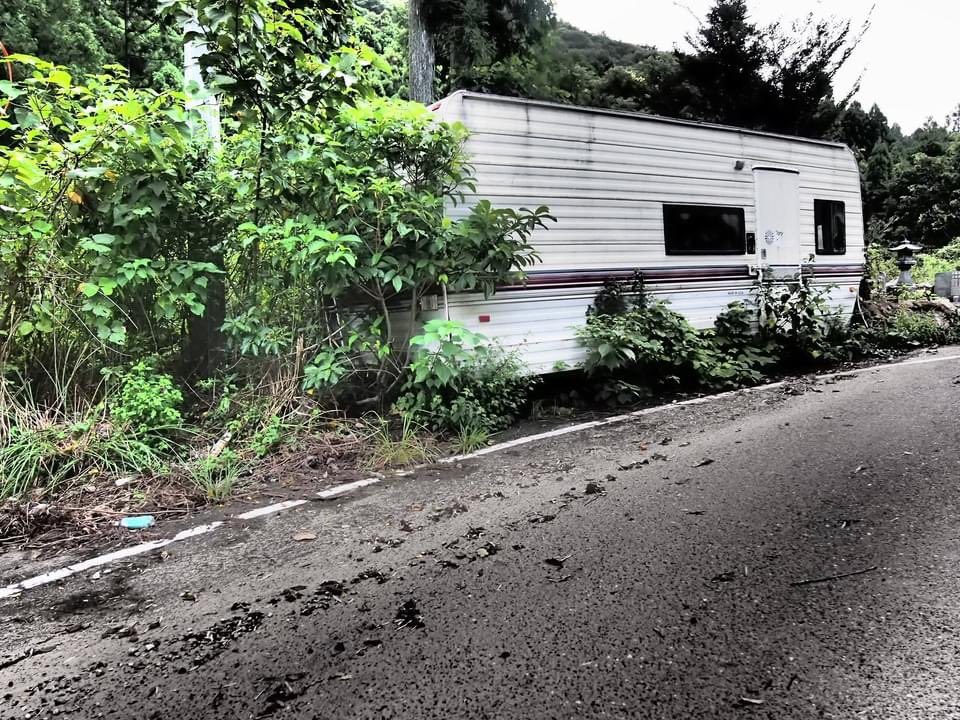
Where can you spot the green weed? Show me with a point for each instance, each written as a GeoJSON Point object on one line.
{"type": "Point", "coordinates": [217, 476]}
{"type": "Point", "coordinates": [470, 438]}
{"type": "Point", "coordinates": [46, 445]}
{"type": "Point", "coordinates": [406, 444]}
{"type": "Point", "coordinates": [457, 379]}
{"type": "Point", "coordinates": [48, 459]}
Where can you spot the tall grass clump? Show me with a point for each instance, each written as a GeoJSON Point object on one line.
{"type": "Point", "coordinates": [75, 433]}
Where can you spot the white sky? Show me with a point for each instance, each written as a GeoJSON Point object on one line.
{"type": "Point", "coordinates": [909, 58]}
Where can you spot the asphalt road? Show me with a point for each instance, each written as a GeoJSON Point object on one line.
{"type": "Point", "coordinates": [654, 569]}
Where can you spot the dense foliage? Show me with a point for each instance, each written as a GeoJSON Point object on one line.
{"type": "Point", "coordinates": [636, 344]}
{"type": "Point", "coordinates": [85, 35]}
{"type": "Point", "coordinates": [461, 383]}
{"type": "Point", "coordinates": [284, 258]}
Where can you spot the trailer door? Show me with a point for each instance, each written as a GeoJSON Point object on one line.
{"type": "Point", "coordinates": [778, 219]}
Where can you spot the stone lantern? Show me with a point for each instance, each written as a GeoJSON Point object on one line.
{"type": "Point", "coordinates": [906, 261]}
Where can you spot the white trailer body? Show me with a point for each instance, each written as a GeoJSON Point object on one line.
{"type": "Point", "coordinates": [698, 209]}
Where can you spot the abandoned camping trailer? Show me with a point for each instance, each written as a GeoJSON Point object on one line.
{"type": "Point", "coordinates": [700, 210]}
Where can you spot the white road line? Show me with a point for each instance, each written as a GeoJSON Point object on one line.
{"type": "Point", "coordinates": [17, 588]}
{"type": "Point", "coordinates": [270, 509]}
{"type": "Point", "coordinates": [348, 487]}
{"type": "Point", "coordinates": [921, 361]}
{"type": "Point", "coordinates": [660, 408]}
{"type": "Point", "coordinates": [599, 423]}
{"type": "Point", "coordinates": [14, 590]}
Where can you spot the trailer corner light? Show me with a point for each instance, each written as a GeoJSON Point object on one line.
{"type": "Point", "coordinates": [484, 318]}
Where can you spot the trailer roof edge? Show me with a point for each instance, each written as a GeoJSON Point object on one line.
{"type": "Point", "coordinates": [468, 94]}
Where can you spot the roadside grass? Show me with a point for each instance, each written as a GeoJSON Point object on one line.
{"type": "Point", "coordinates": [218, 477]}
{"type": "Point", "coordinates": [470, 438]}
{"type": "Point", "coordinates": [41, 462]}
{"type": "Point", "coordinates": [398, 444]}
{"type": "Point", "coordinates": [68, 438]}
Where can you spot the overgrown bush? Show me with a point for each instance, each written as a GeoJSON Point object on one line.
{"type": "Point", "coordinates": [460, 384]}
{"type": "Point", "coordinates": [67, 435]}
{"type": "Point", "coordinates": [635, 344]}
{"type": "Point", "coordinates": [142, 399]}
{"type": "Point", "coordinates": [311, 229]}
{"type": "Point", "coordinates": [796, 318]}
{"type": "Point", "coordinates": [945, 259]}
{"type": "Point", "coordinates": [741, 354]}
{"type": "Point", "coordinates": [651, 342]}
{"type": "Point", "coordinates": [47, 446]}
{"type": "Point", "coordinates": [367, 231]}
{"type": "Point", "coordinates": [639, 344]}
{"type": "Point", "coordinates": [917, 327]}
{"type": "Point", "coordinates": [881, 264]}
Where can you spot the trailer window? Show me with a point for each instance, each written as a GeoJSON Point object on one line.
{"type": "Point", "coordinates": [830, 225]}
{"type": "Point", "coordinates": [703, 230]}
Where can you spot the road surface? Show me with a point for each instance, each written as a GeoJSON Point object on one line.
{"type": "Point", "coordinates": [788, 553]}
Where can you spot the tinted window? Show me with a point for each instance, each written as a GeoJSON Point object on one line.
{"type": "Point", "coordinates": [830, 225]}
{"type": "Point", "coordinates": [703, 230]}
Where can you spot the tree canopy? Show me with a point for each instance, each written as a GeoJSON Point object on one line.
{"type": "Point", "coordinates": [85, 35]}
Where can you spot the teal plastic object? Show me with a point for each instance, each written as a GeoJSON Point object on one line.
{"type": "Point", "coordinates": [138, 522]}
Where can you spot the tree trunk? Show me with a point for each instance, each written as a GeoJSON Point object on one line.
{"type": "Point", "coordinates": [203, 347]}
{"type": "Point", "coordinates": [423, 62]}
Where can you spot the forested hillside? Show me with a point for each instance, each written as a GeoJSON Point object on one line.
{"type": "Point", "coordinates": [85, 35]}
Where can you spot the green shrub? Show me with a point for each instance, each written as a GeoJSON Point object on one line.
{"type": "Point", "coordinates": [903, 324]}
{"type": "Point", "coordinates": [634, 344]}
{"type": "Point", "coordinates": [268, 436]}
{"type": "Point", "coordinates": [881, 263]}
{"type": "Point", "coordinates": [796, 318]}
{"type": "Point", "coordinates": [652, 346]}
{"type": "Point", "coordinates": [928, 266]}
{"type": "Point", "coordinates": [741, 354]}
{"type": "Point", "coordinates": [650, 342]}
{"type": "Point", "coordinates": [920, 328]}
{"type": "Point", "coordinates": [458, 381]}
{"type": "Point", "coordinates": [143, 399]}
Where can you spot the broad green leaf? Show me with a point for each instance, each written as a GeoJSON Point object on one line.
{"type": "Point", "coordinates": [11, 90]}
{"type": "Point", "coordinates": [60, 77]}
